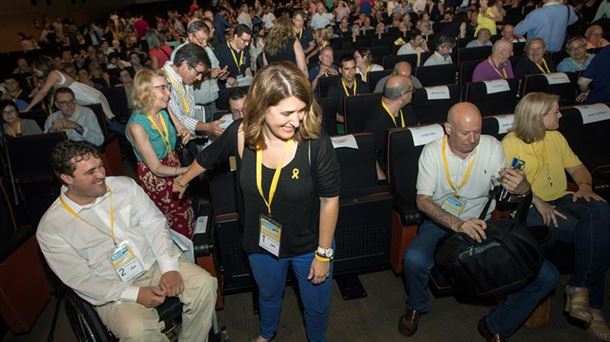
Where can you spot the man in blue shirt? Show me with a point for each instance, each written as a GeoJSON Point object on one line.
{"type": "Point", "coordinates": [548, 22]}
{"type": "Point", "coordinates": [594, 80]}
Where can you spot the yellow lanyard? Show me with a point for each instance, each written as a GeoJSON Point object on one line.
{"type": "Point", "coordinates": [366, 72]}
{"type": "Point", "coordinates": [323, 46]}
{"type": "Point", "coordinates": [301, 34]}
{"type": "Point", "coordinates": [345, 87]}
{"type": "Point", "coordinates": [17, 131]}
{"type": "Point", "coordinates": [496, 69]}
{"type": "Point", "coordinates": [75, 214]}
{"type": "Point", "coordinates": [163, 133]}
{"type": "Point", "coordinates": [276, 175]}
{"type": "Point", "coordinates": [185, 102]}
{"type": "Point", "coordinates": [541, 164]}
{"type": "Point", "coordinates": [402, 118]}
{"type": "Point", "coordinates": [544, 70]}
{"type": "Point", "coordinates": [448, 174]}
{"type": "Point", "coordinates": [241, 58]}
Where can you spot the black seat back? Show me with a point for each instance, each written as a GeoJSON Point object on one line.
{"type": "Point", "coordinates": [431, 104]}
{"type": "Point", "coordinates": [329, 115]}
{"type": "Point", "coordinates": [40, 116]}
{"type": "Point", "coordinates": [466, 71]}
{"type": "Point", "coordinates": [436, 75]}
{"type": "Point", "coordinates": [497, 125]}
{"type": "Point", "coordinates": [357, 111]}
{"type": "Point", "coordinates": [566, 89]}
{"type": "Point", "coordinates": [374, 76]}
{"type": "Point", "coordinates": [390, 60]}
{"type": "Point", "coordinates": [324, 84]}
{"type": "Point", "coordinates": [473, 54]}
{"type": "Point", "coordinates": [491, 98]}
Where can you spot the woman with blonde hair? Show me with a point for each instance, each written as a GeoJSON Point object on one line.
{"type": "Point", "coordinates": [581, 217]}
{"type": "Point", "coordinates": [322, 38]}
{"type": "Point", "coordinates": [365, 63]}
{"type": "Point", "coordinates": [289, 177]}
{"type": "Point", "coordinates": [281, 44]}
{"type": "Point", "coordinates": [153, 138]}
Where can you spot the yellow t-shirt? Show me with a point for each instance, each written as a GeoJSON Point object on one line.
{"type": "Point", "coordinates": [545, 162]}
{"type": "Point", "coordinates": [484, 22]}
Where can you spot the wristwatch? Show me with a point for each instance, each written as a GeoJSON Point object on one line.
{"type": "Point", "coordinates": [325, 252]}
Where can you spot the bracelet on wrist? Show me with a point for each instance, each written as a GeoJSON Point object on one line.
{"type": "Point", "coordinates": [321, 258]}
{"type": "Point", "coordinates": [181, 185]}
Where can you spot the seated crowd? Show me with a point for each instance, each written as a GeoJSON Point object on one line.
{"type": "Point", "coordinates": [108, 239]}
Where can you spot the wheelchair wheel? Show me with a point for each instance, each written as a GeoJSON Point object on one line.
{"type": "Point", "coordinates": [85, 322]}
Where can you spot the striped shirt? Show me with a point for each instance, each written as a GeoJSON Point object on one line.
{"type": "Point", "coordinates": [182, 100]}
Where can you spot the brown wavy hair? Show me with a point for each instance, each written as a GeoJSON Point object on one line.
{"type": "Point", "coordinates": [280, 35]}
{"type": "Point", "coordinates": [274, 83]}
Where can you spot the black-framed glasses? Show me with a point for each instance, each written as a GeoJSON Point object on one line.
{"type": "Point", "coordinates": [204, 74]}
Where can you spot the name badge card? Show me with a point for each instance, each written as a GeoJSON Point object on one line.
{"type": "Point", "coordinates": [505, 122]}
{"type": "Point", "coordinates": [270, 235]}
{"type": "Point", "coordinates": [594, 113]}
{"type": "Point", "coordinates": [557, 78]}
{"type": "Point", "coordinates": [438, 93]}
{"type": "Point", "coordinates": [496, 86]}
{"type": "Point", "coordinates": [125, 263]}
{"type": "Point", "coordinates": [454, 205]}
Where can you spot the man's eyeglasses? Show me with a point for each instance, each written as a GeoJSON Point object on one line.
{"type": "Point", "coordinates": [203, 74]}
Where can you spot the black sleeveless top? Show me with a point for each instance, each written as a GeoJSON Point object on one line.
{"type": "Point", "coordinates": [285, 54]}
{"type": "Point", "coordinates": [296, 205]}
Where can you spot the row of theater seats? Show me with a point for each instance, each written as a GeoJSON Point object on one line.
{"type": "Point", "coordinates": [377, 222]}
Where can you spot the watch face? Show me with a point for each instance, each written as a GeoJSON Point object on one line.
{"type": "Point", "coordinates": [330, 253]}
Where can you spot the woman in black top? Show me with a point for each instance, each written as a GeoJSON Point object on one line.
{"type": "Point", "coordinates": [281, 44]}
{"type": "Point", "coordinates": [289, 178]}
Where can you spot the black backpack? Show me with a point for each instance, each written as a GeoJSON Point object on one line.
{"type": "Point", "coordinates": [506, 261]}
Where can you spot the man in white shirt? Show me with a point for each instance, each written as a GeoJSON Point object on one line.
{"type": "Point", "coordinates": [442, 55]}
{"type": "Point", "coordinates": [107, 240]}
{"type": "Point", "coordinates": [454, 178]}
{"type": "Point", "coordinates": [322, 18]}
{"type": "Point", "coordinates": [79, 123]}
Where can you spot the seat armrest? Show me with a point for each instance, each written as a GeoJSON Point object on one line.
{"type": "Point", "coordinates": [409, 214]}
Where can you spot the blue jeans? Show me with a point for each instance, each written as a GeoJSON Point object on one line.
{"type": "Point", "coordinates": [270, 276]}
{"type": "Point", "coordinates": [587, 227]}
{"type": "Point", "coordinates": [503, 319]}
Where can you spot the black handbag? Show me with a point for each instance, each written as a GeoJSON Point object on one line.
{"type": "Point", "coordinates": [506, 261]}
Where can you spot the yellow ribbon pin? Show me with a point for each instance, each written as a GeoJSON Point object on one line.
{"type": "Point", "coordinates": [295, 173]}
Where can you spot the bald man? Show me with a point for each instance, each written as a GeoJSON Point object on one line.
{"type": "Point", "coordinates": [400, 69]}
{"type": "Point", "coordinates": [472, 161]}
{"type": "Point", "coordinates": [497, 66]}
{"type": "Point", "coordinates": [391, 112]}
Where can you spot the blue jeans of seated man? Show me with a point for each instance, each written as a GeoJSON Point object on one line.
{"type": "Point", "coordinates": [587, 227]}
{"type": "Point", "coordinates": [503, 319]}
{"type": "Point", "coordinates": [270, 276]}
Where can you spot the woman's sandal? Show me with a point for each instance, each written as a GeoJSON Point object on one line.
{"type": "Point", "coordinates": [577, 303]}
{"type": "Point", "coordinates": [598, 326]}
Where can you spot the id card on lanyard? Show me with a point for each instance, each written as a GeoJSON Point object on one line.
{"type": "Point", "coordinates": [455, 204]}
{"type": "Point", "coordinates": [270, 231]}
{"type": "Point", "coordinates": [123, 260]}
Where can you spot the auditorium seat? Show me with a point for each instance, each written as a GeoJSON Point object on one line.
{"type": "Point", "coordinates": [431, 104]}
{"type": "Point", "coordinates": [586, 128]}
{"type": "Point", "coordinates": [357, 111]}
{"type": "Point", "coordinates": [493, 97]}
{"type": "Point", "coordinates": [111, 152]}
{"type": "Point", "coordinates": [324, 84]}
{"type": "Point", "coordinates": [363, 228]}
{"type": "Point", "coordinates": [40, 116]}
{"type": "Point", "coordinates": [562, 84]}
{"type": "Point", "coordinates": [466, 71]}
{"type": "Point", "coordinates": [404, 146]}
{"type": "Point", "coordinates": [436, 74]}
{"type": "Point", "coordinates": [375, 76]}
{"type": "Point", "coordinates": [390, 60]}
{"type": "Point", "coordinates": [329, 115]}
{"type": "Point", "coordinates": [497, 125]}
{"type": "Point", "coordinates": [473, 54]}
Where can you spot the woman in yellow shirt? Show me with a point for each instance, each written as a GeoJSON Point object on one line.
{"type": "Point", "coordinates": [581, 218]}
{"type": "Point", "coordinates": [488, 16]}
